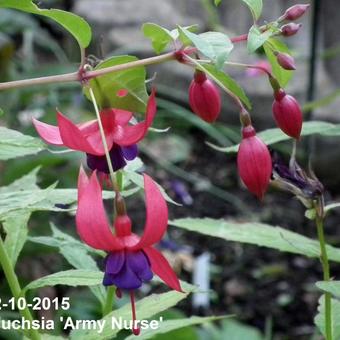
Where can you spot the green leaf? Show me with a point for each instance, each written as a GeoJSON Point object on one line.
{"type": "Point", "coordinates": [14, 144]}
{"type": "Point", "coordinates": [332, 287]}
{"type": "Point", "coordinates": [15, 225]}
{"type": "Point", "coordinates": [74, 24]}
{"type": "Point", "coordinates": [225, 82]}
{"type": "Point", "coordinates": [283, 76]}
{"type": "Point", "coordinates": [171, 325]}
{"type": "Point", "coordinates": [217, 2]}
{"type": "Point", "coordinates": [73, 277]}
{"type": "Point", "coordinates": [256, 38]}
{"type": "Point", "coordinates": [76, 253]}
{"type": "Point", "coordinates": [320, 317]}
{"type": "Point", "coordinates": [259, 234]}
{"type": "Point", "coordinates": [160, 36]}
{"type": "Point", "coordinates": [146, 308]}
{"type": "Point", "coordinates": [272, 136]}
{"type": "Point", "coordinates": [106, 87]}
{"type": "Point", "coordinates": [255, 7]}
{"type": "Point", "coordinates": [331, 206]}
{"type": "Point", "coordinates": [234, 330]}
{"type": "Point", "coordinates": [138, 180]}
{"type": "Point", "coordinates": [214, 45]}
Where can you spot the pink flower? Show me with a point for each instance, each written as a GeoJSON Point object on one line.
{"type": "Point", "coordinates": [295, 12]}
{"type": "Point", "coordinates": [287, 114]}
{"type": "Point", "coordinates": [254, 162]}
{"type": "Point", "coordinates": [121, 137]}
{"type": "Point", "coordinates": [290, 29]}
{"type": "Point", "coordinates": [204, 97]}
{"type": "Point", "coordinates": [131, 259]}
{"type": "Point", "coordinates": [285, 61]}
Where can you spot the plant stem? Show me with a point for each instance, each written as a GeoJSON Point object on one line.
{"type": "Point", "coordinates": [109, 300]}
{"type": "Point", "coordinates": [81, 76]}
{"type": "Point", "coordinates": [14, 285]}
{"type": "Point", "coordinates": [326, 276]}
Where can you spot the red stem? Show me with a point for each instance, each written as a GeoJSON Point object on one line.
{"type": "Point", "coordinates": [243, 37]}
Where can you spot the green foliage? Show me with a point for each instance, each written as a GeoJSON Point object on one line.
{"type": "Point", "coordinates": [320, 317]}
{"type": "Point", "coordinates": [106, 87]}
{"type": "Point", "coordinates": [74, 24]}
{"type": "Point", "coordinates": [256, 38]}
{"type": "Point", "coordinates": [171, 325]}
{"type": "Point", "coordinates": [255, 7]}
{"type": "Point", "coordinates": [217, 2]}
{"type": "Point", "coordinates": [15, 226]}
{"type": "Point", "coordinates": [332, 287]}
{"type": "Point", "coordinates": [146, 308]}
{"type": "Point", "coordinates": [283, 76]}
{"type": "Point", "coordinates": [214, 45]}
{"type": "Point", "coordinates": [259, 234]}
{"type": "Point", "coordinates": [14, 144]}
{"type": "Point", "coordinates": [160, 36]}
{"type": "Point", "coordinates": [272, 136]}
{"type": "Point", "coordinates": [73, 277]}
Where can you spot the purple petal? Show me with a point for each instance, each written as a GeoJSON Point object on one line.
{"type": "Point", "coordinates": [130, 152]}
{"type": "Point", "coordinates": [117, 158]}
{"type": "Point", "coordinates": [126, 279]}
{"type": "Point", "coordinates": [140, 264]}
{"type": "Point", "coordinates": [114, 262]}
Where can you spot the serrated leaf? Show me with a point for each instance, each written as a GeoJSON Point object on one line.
{"type": "Point", "coordinates": [283, 76]}
{"type": "Point", "coordinates": [106, 88]}
{"type": "Point", "coordinates": [74, 24]}
{"type": "Point", "coordinates": [332, 287]}
{"type": "Point", "coordinates": [256, 38]}
{"type": "Point", "coordinates": [255, 7]}
{"type": "Point", "coordinates": [171, 325]}
{"type": "Point", "coordinates": [272, 136]}
{"type": "Point", "coordinates": [15, 226]}
{"type": "Point", "coordinates": [14, 144]}
{"type": "Point", "coordinates": [76, 253]}
{"type": "Point", "coordinates": [160, 36]}
{"type": "Point", "coordinates": [72, 277]}
{"type": "Point", "coordinates": [225, 81]}
{"type": "Point", "coordinates": [259, 234]}
{"type": "Point", "coordinates": [214, 45]}
{"type": "Point", "coordinates": [320, 317]}
{"type": "Point", "coordinates": [146, 308]}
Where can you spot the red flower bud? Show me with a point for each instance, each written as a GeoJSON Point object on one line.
{"type": "Point", "coordinates": [290, 29]}
{"type": "Point", "coordinates": [295, 12]}
{"type": "Point", "coordinates": [204, 97]}
{"type": "Point", "coordinates": [254, 162]}
{"type": "Point", "coordinates": [285, 61]}
{"type": "Point", "coordinates": [287, 114]}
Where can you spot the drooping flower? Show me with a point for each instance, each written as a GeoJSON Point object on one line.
{"type": "Point", "coordinates": [285, 61]}
{"type": "Point", "coordinates": [204, 97]}
{"type": "Point", "coordinates": [131, 259]}
{"type": "Point", "coordinates": [121, 138]}
{"type": "Point", "coordinates": [254, 162]}
{"type": "Point", "coordinates": [287, 114]}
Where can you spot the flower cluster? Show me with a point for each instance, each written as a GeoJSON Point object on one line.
{"type": "Point", "coordinates": [131, 259]}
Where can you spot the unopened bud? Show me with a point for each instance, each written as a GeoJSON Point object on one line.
{"type": "Point", "coordinates": [285, 61]}
{"type": "Point", "coordinates": [290, 29]}
{"type": "Point", "coordinates": [295, 12]}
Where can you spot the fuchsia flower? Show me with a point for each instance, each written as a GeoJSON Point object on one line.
{"type": "Point", "coordinates": [131, 259]}
{"type": "Point", "coordinates": [204, 97]}
{"type": "Point", "coordinates": [254, 162]}
{"type": "Point", "coordinates": [287, 114]}
{"type": "Point", "coordinates": [290, 29]}
{"type": "Point", "coordinates": [295, 12]}
{"type": "Point", "coordinates": [121, 137]}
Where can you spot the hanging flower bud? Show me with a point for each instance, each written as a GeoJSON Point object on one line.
{"type": "Point", "coordinates": [295, 12]}
{"type": "Point", "coordinates": [290, 29]}
{"type": "Point", "coordinates": [285, 61]}
{"type": "Point", "coordinates": [287, 114]}
{"type": "Point", "coordinates": [204, 97]}
{"type": "Point", "coordinates": [254, 162]}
